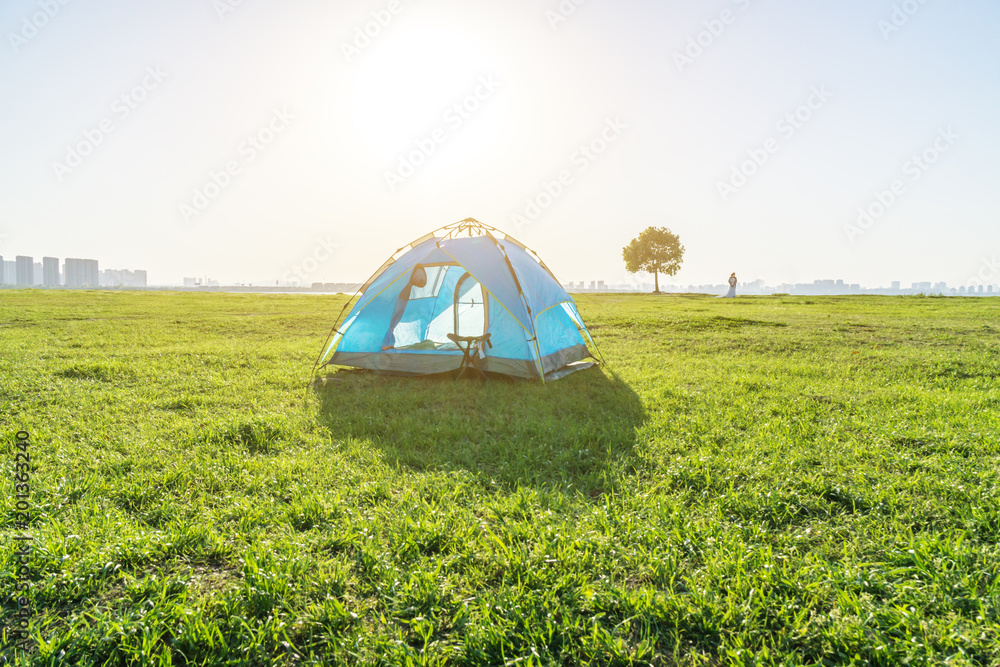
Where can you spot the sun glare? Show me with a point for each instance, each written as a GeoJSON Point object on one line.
{"type": "Point", "coordinates": [405, 88]}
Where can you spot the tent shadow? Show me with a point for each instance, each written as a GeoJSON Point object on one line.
{"type": "Point", "coordinates": [571, 434]}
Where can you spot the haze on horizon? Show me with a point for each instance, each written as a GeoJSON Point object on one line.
{"type": "Point", "coordinates": [236, 138]}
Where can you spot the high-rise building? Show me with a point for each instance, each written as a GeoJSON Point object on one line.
{"type": "Point", "coordinates": [73, 272]}
{"type": "Point", "coordinates": [8, 272]}
{"type": "Point", "coordinates": [895, 284]}
{"type": "Point", "coordinates": [91, 272]}
{"type": "Point", "coordinates": [25, 270]}
{"type": "Point", "coordinates": [81, 272]}
{"type": "Point", "coordinates": [50, 271]}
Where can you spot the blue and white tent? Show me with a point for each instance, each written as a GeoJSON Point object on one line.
{"type": "Point", "coordinates": [466, 279]}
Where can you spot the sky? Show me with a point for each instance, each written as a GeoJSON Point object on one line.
{"type": "Point", "coordinates": [252, 141]}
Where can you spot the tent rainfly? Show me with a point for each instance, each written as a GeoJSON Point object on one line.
{"type": "Point", "coordinates": [466, 279]}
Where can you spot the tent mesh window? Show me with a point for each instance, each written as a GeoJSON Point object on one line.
{"type": "Point", "coordinates": [450, 301]}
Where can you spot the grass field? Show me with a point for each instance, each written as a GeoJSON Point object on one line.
{"type": "Point", "coordinates": [778, 480]}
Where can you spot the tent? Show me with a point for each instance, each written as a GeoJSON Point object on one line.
{"type": "Point", "coordinates": [465, 279]}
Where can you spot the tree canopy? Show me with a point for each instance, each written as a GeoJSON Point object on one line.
{"type": "Point", "coordinates": [656, 250]}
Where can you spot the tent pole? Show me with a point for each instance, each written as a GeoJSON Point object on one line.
{"type": "Point", "coordinates": [527, 308]}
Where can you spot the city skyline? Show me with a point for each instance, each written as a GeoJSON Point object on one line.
{"type": "Point", "coordinates": [46, 272]}
{"type": "Point", "coordinates": [25, 272]}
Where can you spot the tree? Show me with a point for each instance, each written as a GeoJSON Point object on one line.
{"type": "Point", "coordinates": [657, 250]}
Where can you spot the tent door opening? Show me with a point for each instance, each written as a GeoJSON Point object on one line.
{"type": "Point", "coordinates": [471, 316]}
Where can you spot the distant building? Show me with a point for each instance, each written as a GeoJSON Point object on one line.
{"type": "Point", "coordinates": [50, 271]}
{"type": "Point", "coordinates": [81, 272]}
{"type": "Point", "coordinates": [923, 287]}
{"type": "Point", "coordinates": [895, 285]}
{"type": "Point", "coordinates": [343, 288]}
{"type": "Point", "coordinates": [9, 276]}
{"type": "Point", "coordinates": [25, 270]}
{"type": "Point", "coordinates": [200, 282]}
{"type": "Point", "coordinates": [122, 278]}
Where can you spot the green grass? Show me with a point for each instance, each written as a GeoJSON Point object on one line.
{"type": "Point", "coordinates": [753, 481]}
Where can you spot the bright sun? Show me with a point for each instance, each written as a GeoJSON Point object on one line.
{"type": "Point", "coordinates": [408, 78]}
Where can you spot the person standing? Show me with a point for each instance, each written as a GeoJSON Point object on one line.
{"type": "Point", "coordinates": [732, 286]}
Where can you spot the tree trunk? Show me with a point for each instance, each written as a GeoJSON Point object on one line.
{"type": "Point", "coordinates": [656, 280]}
